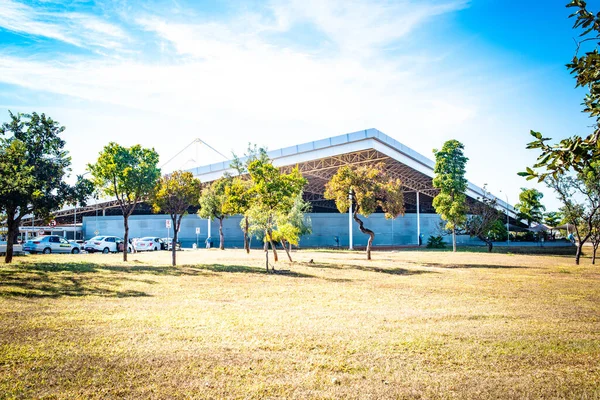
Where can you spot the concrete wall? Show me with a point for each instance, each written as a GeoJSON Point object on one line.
{"type": "Point", "coordinates": [398, 232]}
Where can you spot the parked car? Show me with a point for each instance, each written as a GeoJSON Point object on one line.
{"type": "Point", "coordinates": [148, 243]}
{"type": "Point", "coordinates": [105, 244]}
{"type": "Point", "coordinates": [16, 248]}
{"type": "Point", "coordinates": [78, 243]}
{"type": "Point", "coordinates": [50, 244]}
{"type": "Point", "coordinates": [169, 244]}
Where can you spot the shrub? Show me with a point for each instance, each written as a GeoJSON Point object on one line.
{"type": "Point", "coordinates": [435, 242]}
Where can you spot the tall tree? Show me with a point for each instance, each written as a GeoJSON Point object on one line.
{"type": "Point", "coordinates": [451, 202]}
{"type": "Point", "coordinates": [273, 193]}
{"type": "Point", "coordinates": [238, 194]}
{"type": "Point", "coordinates": [293, 224]}
{"type": "Point", "coordinates": [212, 204]}
{"type": "Point", "coordinates": [238, 199]}
{"type": "Point", "coordinates": [580, 196]}
{"type": "Point", "coordinates": [371, 188]}
{"type": "Point", "coordinates": [127, 173]}
{"type": "Point", "coordinates": [595, 236]}
{"type": "Point", "coordinates": [552, 218]}
{"type": "Point", "coordinates": [575, 153]}
{"type": "Point", "coordinates": [174, 194]}
{"type": "Point", "coordinates": [33, 164]}
{"type": "Point", "coordinates": [530, 207]}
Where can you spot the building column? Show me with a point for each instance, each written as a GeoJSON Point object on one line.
{"type": "Point", "coordinates": [209, 221]}
{"type": "Point", "coordinates": [418, 221]}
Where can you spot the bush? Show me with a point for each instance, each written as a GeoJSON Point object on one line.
{"type": "Point", "coordinates": [435, 242]}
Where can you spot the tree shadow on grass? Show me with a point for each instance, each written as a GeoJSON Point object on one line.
{"type": "Point", "coordinates": [390, 271]}
{"type": "Point", "coordinates": [50, 285]}
{"type": "Point", "coordinates": [53, 280]}
{"type": "Point", "coordinates": [469, 266]}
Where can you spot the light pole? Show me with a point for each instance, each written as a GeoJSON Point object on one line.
{"type": "Point", "coordinates": [350, 247]}
{"type": "Point", "coordinates": [507, 220]}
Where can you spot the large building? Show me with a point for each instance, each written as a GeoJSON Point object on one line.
{"type": "Point", "coordinates": [318, 161]}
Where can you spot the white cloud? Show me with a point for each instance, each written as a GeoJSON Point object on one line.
{"type": "Point", "coordinates": [78, 29]}
{"type": "Point", "coordinates": [361, 26]}
{"type": "Point", "coordinates": [230, 84]}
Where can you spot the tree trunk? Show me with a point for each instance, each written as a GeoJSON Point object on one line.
{"type": "Point", "coordinates": [490, 246]}
{"type": "Point", "coordinates": [366, 231]}
{"type": "Point", "coordinates": [266, 257]}
{"type": "Point", "coordinates": [454, 239]}
{"type": "Point", "coordinates": [269, 237]}
{"type": "Point", "coordinates": [594, 253]}
{"type": "Point", "coordinates": [221, 237]}
{"type": "Point", "coordinates": [12, 226]}
{"type": "Point", "coordinates": [275, 258]}
{"type": "Point", "coordinates": [286, 250]}
{"type": "Point", "coordinates": [125, 236]}
{"type": "Point", "coordinates": [176, 225]}
{"type": "Point", "coordinates": [578, 253]}
{"type": "Point", "coordinates": [246, 237]}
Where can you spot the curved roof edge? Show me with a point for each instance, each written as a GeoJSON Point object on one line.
{"type": "Point", "coordinates": [427, 165]}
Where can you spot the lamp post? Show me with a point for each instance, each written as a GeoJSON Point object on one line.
{"type": "Point", "coordinates": [507, 220]}
{"type": "Point", "coordinates": [350, 247]}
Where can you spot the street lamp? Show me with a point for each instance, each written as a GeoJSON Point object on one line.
{"type": "Point", "coordinates": [350, 220]}
{"type": "Point", "coordinates": [507, 220]}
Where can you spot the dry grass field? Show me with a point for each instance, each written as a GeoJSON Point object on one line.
{"type": "Point", "coordinates": [406, 325]}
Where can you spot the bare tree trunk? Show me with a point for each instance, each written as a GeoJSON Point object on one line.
{"type": "Point", "coordinates": [286, 250]}
{"type": "Point", "coordinates": [176, 225]}
{"type": "Point", "coordinates": [454, 239]}
{"type": "Point", "coordinates": [12, 226]}
{"type": "Point", "coordinates": [275, 258]}
{"type": "Point", "coordinates": [366, 231]}
{"type": "Point", "coordinates": [125, 236]}
{"type": "Point", "coordinates": [269, 237]}
{"type": "Point", "coordinates": [578, 253]}
{"type": "Point", "coordinates": [594, 253]}
{"type": "Point", "coordinates": [267, 257]}
{"type": "Point", "coordinates": [246, 237]}
{"type": "Point", "coordinates": [221, 237]}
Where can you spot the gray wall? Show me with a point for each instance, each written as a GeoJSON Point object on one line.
{"type": "Point", "coordinates": [398, 232]}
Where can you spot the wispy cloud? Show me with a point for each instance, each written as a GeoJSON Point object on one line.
{"type": "Point", "coordinates": [78, 29]}
{"type": "Point", "coordinates": [231, 74]}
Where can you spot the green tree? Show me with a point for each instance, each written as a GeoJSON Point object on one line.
{"type": "Point", "coordinates": [212, 204]}
{"type": "Point", "coordinates": [238, 194]}
{"type": "Point", "coordinates": [483, 221]}
{"type": "Point", "coordinates": [292, 225]}
{"type": "Point", "coordinates": [238, 199]}
{"type": "Point", "coordinates": [580, 198]}
{"type": "Point", "coordinates": [370, 188]}
{"type": "Point", "coordinates": [575, 153]}
{"type": "Point", "coordinates": [174, 194]}
{"type": "Point", "coordinates": [530, 207]}
{"type": "Point", "coordinates": [451, 202]}
{"type": "Point", "coordinates": [552, 218]}
{"type": "Point", "coordinates": [595, 236]}
{"type": "Point", "coordinates": [273, 194]}
{"type": "Point", "coordinates": [127, 173]}
{"type": "Point", "coordinates": [33, 164]}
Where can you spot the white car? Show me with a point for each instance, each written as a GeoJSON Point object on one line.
{"type": "Point", "coordinates": [105, 244]}
{"type": "Point", "coordinates": [148, 243]}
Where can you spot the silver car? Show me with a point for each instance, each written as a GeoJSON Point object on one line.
{"type": "Point", "coordinates": [50, 244]}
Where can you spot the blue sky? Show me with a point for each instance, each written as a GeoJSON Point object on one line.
{"type": "Point", "coordinates": [282, 72]}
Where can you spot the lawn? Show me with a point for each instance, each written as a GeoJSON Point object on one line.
{"type": "Point", "coordinates": [406, 325]}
